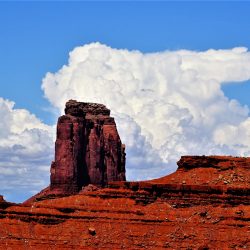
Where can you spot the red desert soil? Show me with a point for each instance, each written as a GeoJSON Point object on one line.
{"type": "Point", "coordinates": [193, 208]}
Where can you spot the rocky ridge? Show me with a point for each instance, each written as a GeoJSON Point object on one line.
{"type": "Point", "coordinates": [166, 213]}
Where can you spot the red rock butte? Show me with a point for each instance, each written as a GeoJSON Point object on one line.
{"type": "Point", "coordinates": [89, 205]}
{"type": "Point", "coordinates": [88, 149]}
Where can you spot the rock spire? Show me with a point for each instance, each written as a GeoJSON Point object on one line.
{"type": "Point", "coordinates": [88, 149]}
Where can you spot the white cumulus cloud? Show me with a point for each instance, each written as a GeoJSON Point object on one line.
{"type": "Point", "coordinates": [26, 150]}
{"type": "Point", "coordinates": [166, 104]}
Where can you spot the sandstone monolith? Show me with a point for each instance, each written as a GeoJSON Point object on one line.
{"type": "Point", "coordinates": [88, 149]}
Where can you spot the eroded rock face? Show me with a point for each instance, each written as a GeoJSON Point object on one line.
{"type": "Point", "coordinates": [204, 206]}
{"type": "Point", "coordinates": [88, 149]}
{"type": "Point", "coordinates": [218, 162]}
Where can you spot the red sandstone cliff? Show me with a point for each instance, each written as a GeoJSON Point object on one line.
{"type": "Point", "coordinates": [88, 149]}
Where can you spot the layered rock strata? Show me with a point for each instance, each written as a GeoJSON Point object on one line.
{"type": "Point", "coordinates": [203, 205]}
{"type": "Point", "coordinates": [88, 149]}
{"type": "Point", "coordinates": [217, 162]}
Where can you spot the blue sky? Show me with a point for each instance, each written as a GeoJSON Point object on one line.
{"type": "Point", "coordinates": [36, 37]}
{"type": "Point", "coordinates": [196, 118]}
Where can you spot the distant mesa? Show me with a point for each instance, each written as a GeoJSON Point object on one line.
{"type": "Point", "coordinates": [217, 162]}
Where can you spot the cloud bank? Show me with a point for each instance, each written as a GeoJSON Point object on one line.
{"type": "Point", "coordinates": [166, 104]}
{"type": "Point", "coordinates": [26, 147]}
